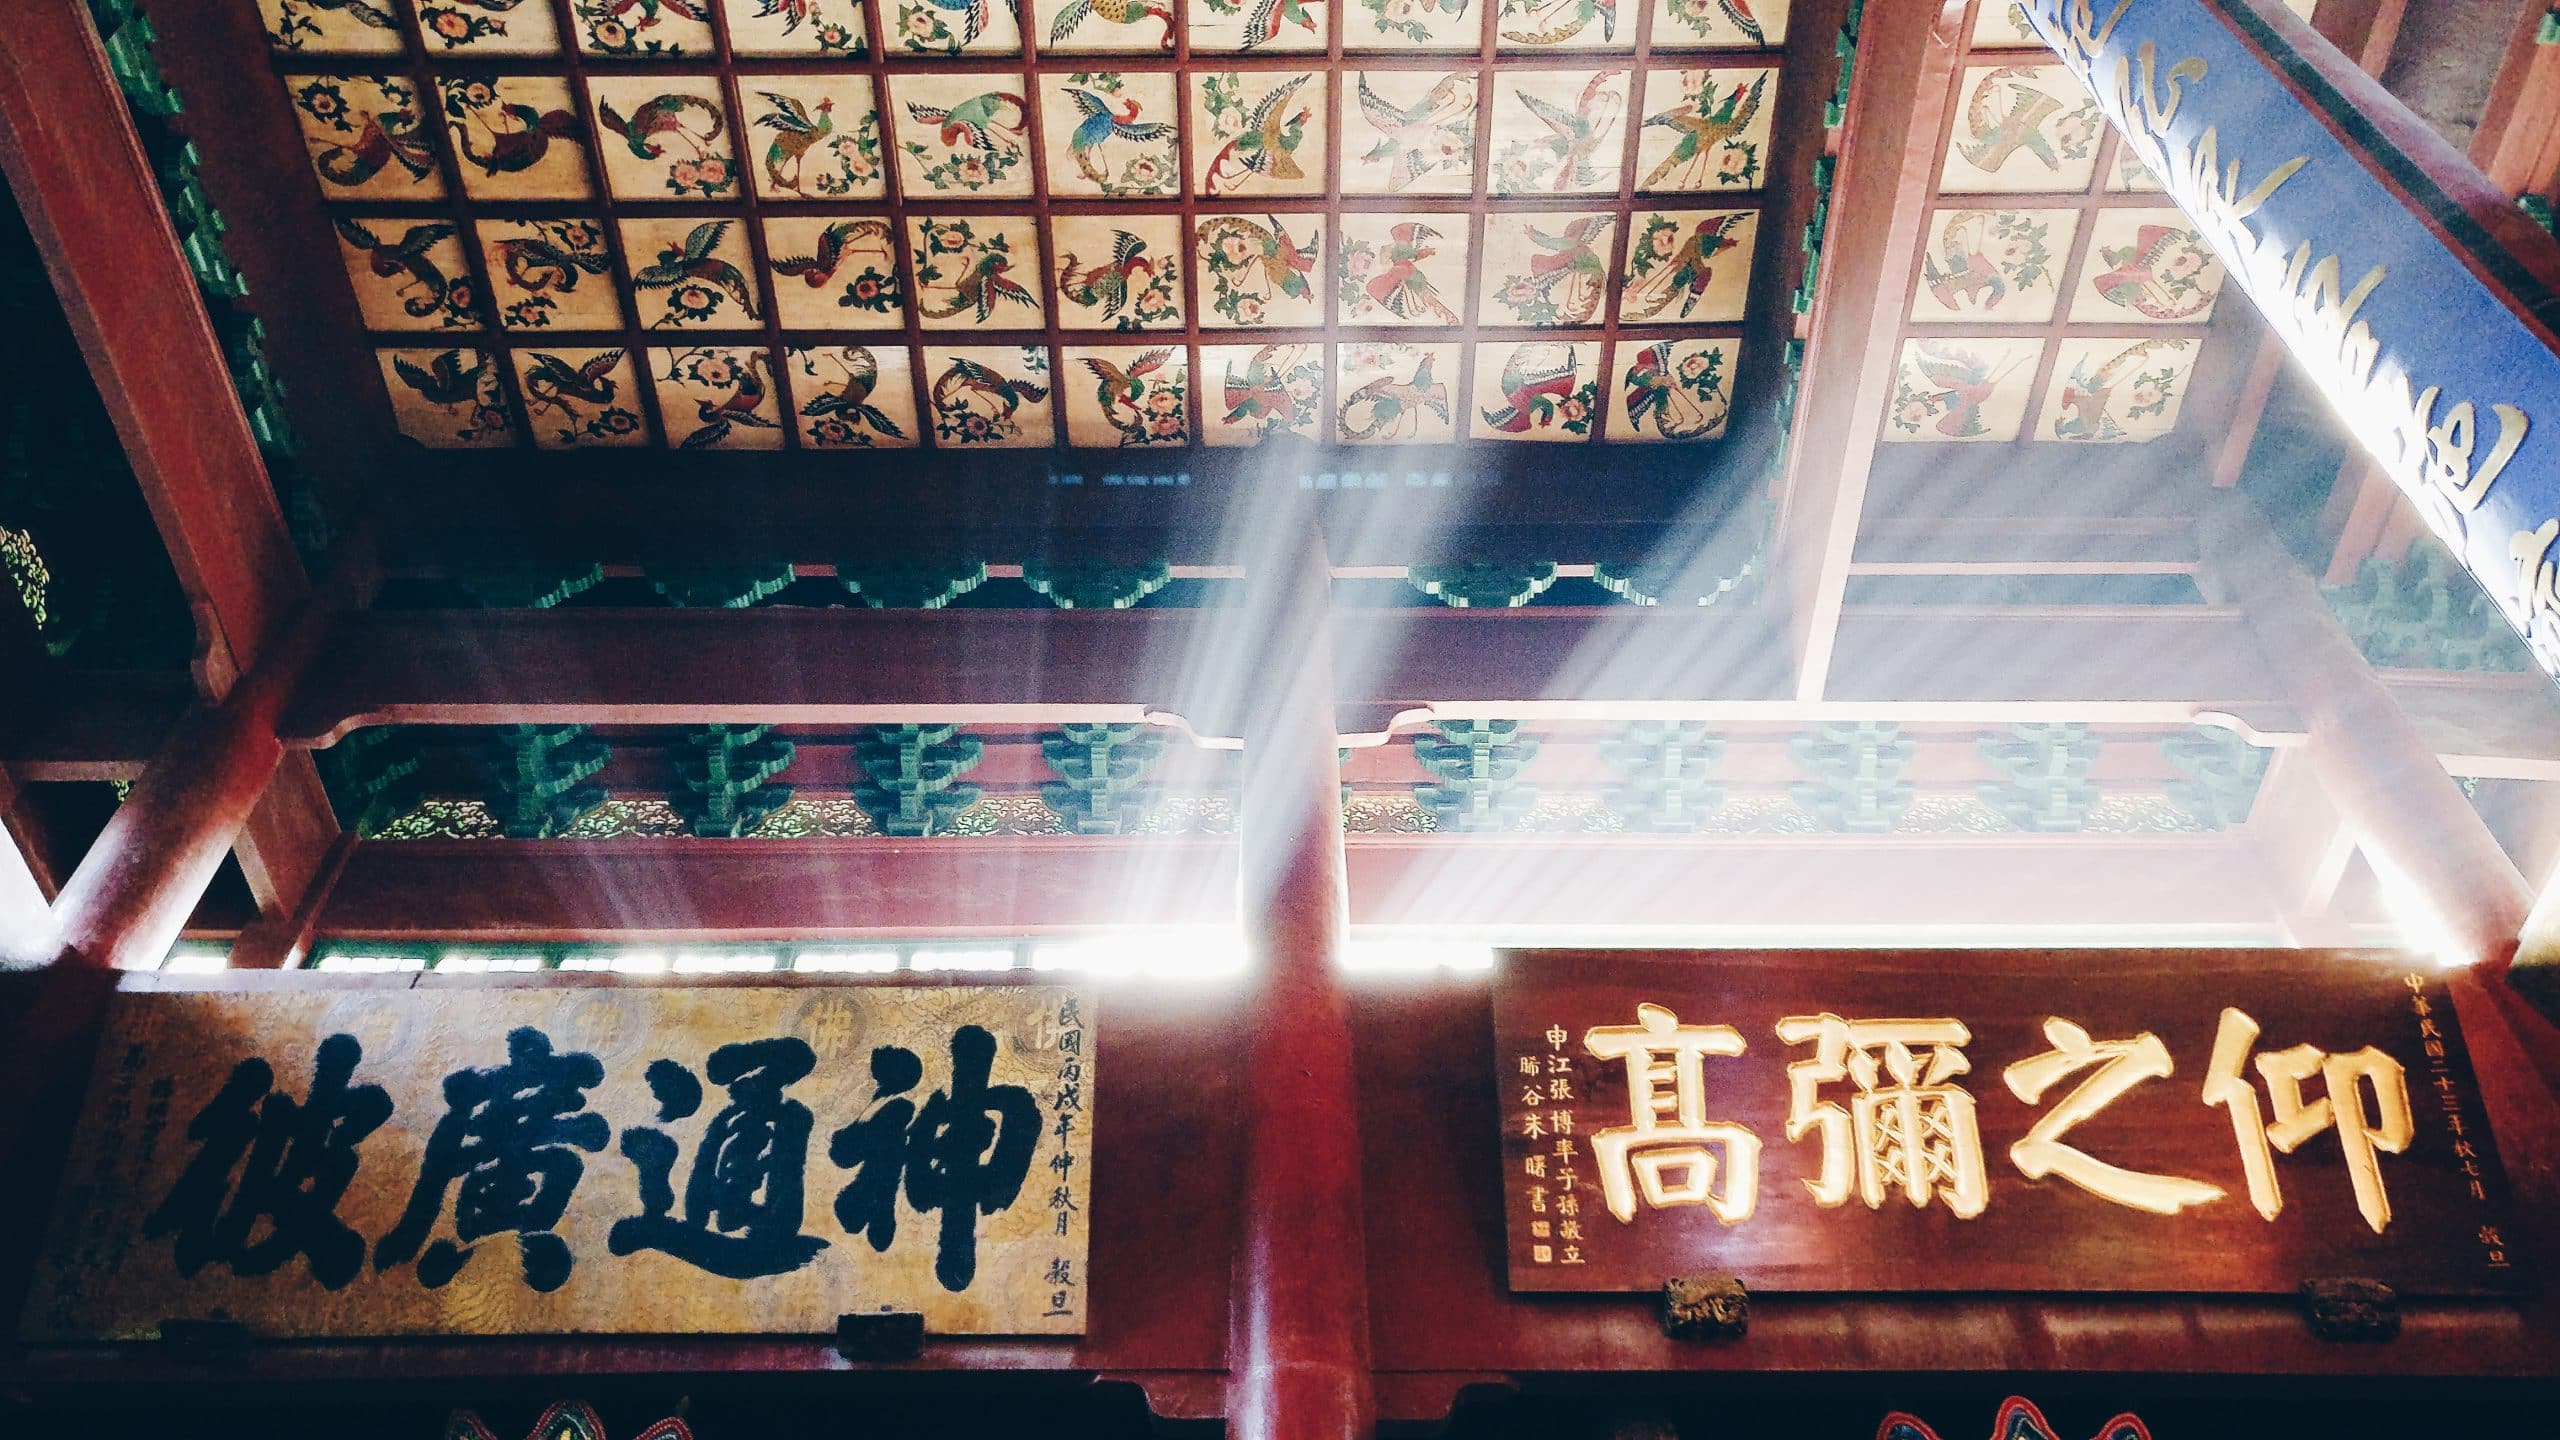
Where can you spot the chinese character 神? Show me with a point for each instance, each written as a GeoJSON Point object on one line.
{"type": "Point", "coordinates": [743, 1199]}
{"type": "Point", "coordinates": [300, 1159]}
{"type": "Point", "coordinates": [2122, 1064]}
{"type": "Point", "coordinates": [1668, 1151]}
{"type": "Point", "coordinates": [1907, 1128]}
{"type": "Point", "coordinates": [965, 1152]}
{"type": "Point", "coordinates": [2341, 1107]}
{"type": "Point", "coordinates": [511, 1135]}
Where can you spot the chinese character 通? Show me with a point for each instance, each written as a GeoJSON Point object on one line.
{"type": "Point", "coordinates": [742, 1202]}
{"type": "Point", "coordinates": [1672, 1163]}
{"type": "Point", "coordinates": [1916, 1133]}
{"type": "Point", "coordinates": [2341, 1107]}
{"type": "Point", "coordinates": [2122, 1064]}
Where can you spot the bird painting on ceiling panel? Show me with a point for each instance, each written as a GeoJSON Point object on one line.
{"type": "Point", "coordinates": [834, 274]}
{"type": "Point", "coordinates": [1688, 267]}
{"type": "Point", "coordinates": [963, 134]}
{"type": "Point", "coordinates": [823, 29]}
{"type": "Point", "coordinates": [1962, 389]}
{"type": "Point", "coordinates": [1556, 24]}
{"type": "Point", "coordinates": [547, 274]}
{"type": "Point", "coordinates": [994, 396]}
{"type": "Point", "coordinates": [575, 398]}
{"type": "Point", "coordinates": [717, 397]}
{"type": "Point", "coordinates": [1401, 269]}
{"type": "Point", "coordinates": [1264, 390]}
{"type": "Point", "coordinates": [1544, 390]}
{"type": "Point", "coordinates": [1700, 23]}
{"type": "Point", "coordinates": [1259, 132]}
{"type": "Point", "coordinates": [1415, 25]}
{"type": "Point", "coordinates": [2023, 127]}
{"type": "Point", "coordinates": [1258, 272]}
{"type": "Point", "coordinates": [1105, 26]}
{"type": "Point", "coordinates": [1409, 133]}
{"type": "Point", "coordinates": [1394, 394]}
{"type": "Point", "coordinates": [1557, 136]}
{"type": "Point", "coordinates": [487, 27]}
{"type": "Point", "coordinates": [1268, 26]}
{"type": "Point", "coordinates": [2112, 391]}
{"type": "Point", "coordinates": [366, 135]}
{"type": "Point", "coordinates": [518, 137]}
{"type": "Point", "coordinates": [1118, 274]}
{"type": "Point", "coordinates": [1676, 389]}
{"type": "Point", "coordinates": [1113, 134]}
{"type": "Point", "coordinates": [1705, 129]}
{"type": "Point", "coordinates": [855, 396]}
{"type": "Point", "coordinates": [644, 29]}
{"type": "Point", "coordinates": [700, 266]}
{"type": "Point", "coordinates": [408, 275]}
{"type": "Point", "coordinates": [977, 273]}
{"type": "Point", "coordinates": [669, 136]}
{"type": "Point", "coordinates": [448, 398]}
{"type": "Point", "coordinates": [954, 27]}
{"type": "Point", "coordinates": [820, 139]}
{"type": "Point", "coordinates": [1543, 269]}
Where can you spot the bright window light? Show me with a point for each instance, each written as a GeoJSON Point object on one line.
{"type": "Point", "coordinates": [725, 962]}
{"type": "Point", "coordinates": [359, 963]}
{"type": "Point", "coordinates": [197, 959]}
{"type": "Point", "coordinates": [483, 962]}
{"type": "Point", "coordinates": [873, 961]}
{"type": "Point", "coordinates": [1157, 955]}
{"type": "Point", "coordinates": [974, 959]}
{"type": "Point", "coordinates": [1376, 956]}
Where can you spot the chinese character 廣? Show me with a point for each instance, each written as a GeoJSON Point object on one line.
{"type": "Point", "coordinates": [2341, 1107]}
{"type": "Point", "coordinates": [1906, 1129]}
{"type": "Point", "coordinates": [2121, 1065]}
{"type": "Point", "coordinates": [1668, 1152]}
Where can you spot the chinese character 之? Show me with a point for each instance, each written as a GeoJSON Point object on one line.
{"type": "Point", "coordinates": [2121, 1065]}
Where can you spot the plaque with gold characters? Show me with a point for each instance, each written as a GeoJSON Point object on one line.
{"type": "Point", "coordinates": [2092, 1121]}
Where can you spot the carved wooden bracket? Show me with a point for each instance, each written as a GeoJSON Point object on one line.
{"type": "Point", "coordinates": [1705, 1307]}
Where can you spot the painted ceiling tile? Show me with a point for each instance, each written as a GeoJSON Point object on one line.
{"type": "Point", "coordinates": [1558, 132]}
{"type": "Point", "coordinates": [1118, 272]}
{"type": "Point", "coordinates": [2001, 22]}
{"type": "Point", "coordinates": [966, 135]}
{"type": "Point", "coordinates": [1262, 391]}
{"type": "Point", "coordinates": [717, 397]}
{"type": "Point", "coordinates": [854, 397]}
{"type": "Point", "coordinates": [517, 137]}
{"type": "Point", "coordinates": [2130, 175]}
{"type": "Point", "coordinates": [978, 272]}
{"type": "Point", "coordinates": [1993, 265]}
{"type": "Point", "coordinates": [813, 137]}
{"type": "Point", "coordinates": [2117, 390]}
{"type": "Point", "coordinates": [1706, 129]}
{"type": "Point", "coordinates": [815, 29]}
{"type": "Point", "coordinates": [953, 27]}
{"type": "Point", "coordinates": [1413, 25]}
{"type": "Point", "coordinates": [1260, 270]}
{"type": "Point", "coordinates": [1969, 389]}
{"type": "Point", "coordinates": [1111, 135]}
{"type": "Point", "coordinates": [1395, 394]}
{"type": "Point", "coordinates": [551, 274]}
{"type": "Point", "coordinates": [448, 399]}
{"type": "Point", "coordinates": [1545, 269]}
{"type": "Point", "coordinates": [487, 27]}
{"type": "Point", "coordinates": [691, 274]}
{"type": "Point", "coordinates": [409, 274]}
{"type": "Point", "coordinates": [644, 29]}
{"type": "Point", "coordinates": [834, 272]}
{"type": "Point", "coordinates": [579, 398]}
{"type": "Point", "coordinates": [1687, 267]}
{"type": "Point", "coordinates": [1126, 398]}
{"type": "Point", "coordinates": [1683, 24]}
{"type": "Point", "coordinates": [1548, 26]}
{"type": "Point", "coordinates": [364, 27]}
{"type": "Point", "coordinates": [1536, 390]}
{"type": "Point", "coordinates": [2145, 267]}
{"type": "Point", "coordinates": [1258, 132]}
{"type": "Point", "coordinates": [2022, 128]}
{"type": "Point", "coordinates": [1264, 27]}
{"type": "Point", "coordinates": [1103, 27]}
{"type": "Point", "coordinates": [1408, 132]}
{"type": "Point", "coordinates": [367, 136]}
{"type": "Point", "coordinates": [1672, 389]}
{"type": "Point", "coordinates": [665, 135]}
{"type": "Point", "coordinates": [990, 397]}
{"type": "Point", "coordinates": [1401, 269]}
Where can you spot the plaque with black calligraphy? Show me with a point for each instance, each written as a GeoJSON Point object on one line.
{"type": "Point", "coordinates": [2091, 1120]}
{"type": "Point", "coordinates": [574, 1160]}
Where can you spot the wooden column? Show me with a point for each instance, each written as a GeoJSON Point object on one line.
{"type": "Point", "coordinates": [1298, 1336]}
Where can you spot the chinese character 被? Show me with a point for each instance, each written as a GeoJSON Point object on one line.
{"type": "Point", "coordinates": [1907, 1128]}
{"type": "Point", "coordinates": [2122, 1064]}
{"type": "Point", "coordinates": [964, 1153]}
{"type": "Point", "coordinates": [2341, 1107]}
{"type": "Point", "coordinates": [1667, 1153]}
{"type": "Point", "coordinates": [743, 1199]}
{"type": "Point", "coordinates": [511, 1135]}
{"type": "Point", "coordinates": [300, 1160]}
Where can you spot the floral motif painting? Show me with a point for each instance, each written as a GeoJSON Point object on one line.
{"type": "Point", "coordinates": [1126, 398]}
{"type": "Point", "coordinates": [367, 136]}
{"type": "Point", "coordinates": [2001, 22]}
{"type": "Point", "coordinates": [1545, 269]}
{"type": "Point", "coordinates": [854, 397]}
{"type": "Point", "coordinates": [350, 27]}
{"type": "Point", "coordinates": [1111, 135]}
{"type": "Point", "coordinates": [409, 274]}
{"type": "Point", "coordinates": [1993, 265]}
{"type": "Point", "coordinates": [550, 274]}
{"type": "Point", "coordinates": [516, 137]}
{"type": "Point", "coordinates": [1412, 25]}
{"type": "Point", "coordinates": [2022, 128]}
{"type": "Point", "coordinates": [1390, 394]}
{"type": "Point", "coordinates": [1408, 132]}
{"type": "Point", "coordinates": [448, 399]}
{"type": "Point", "coordinates": [1104, 27]}
{"type": "Point", "coordinates": [1265, 27]}
{"type": "Point", "coordinates": [2145, 267]}
{"type": "Point", "coordinates": [1537, 390]}
{"type": "Point", "coordinates": [980, 272]}
{"type": "Point", "coordinates": [1258, 270]}
{"type": "Point", "coordinates": [1685, 24]}
{"type": "Point", "coordinates": [1258, 132]}
{"type": "Point", "coordinates": [1687, 267]}
{"type": "Point", "coordinates": [717, 397]}
{"type": "Point", "coordinates": [816, 29]}
{"type": "Point", "coordinates": [1706, 130]}
{"type": "Point", "coordinates": [814, 138]}
{"type": "Point", "coordinates": [1970, 389]}
{"type": "Point", "coordinates": [835, 272]}
{"type": "Point", "coordinates": [580, 398]}
{"type": "Point", "coordinates": [1553, 25]}
{"type": "Point", "coordinates": [665, 137]}
{"type": "Point", "coordinates": [991, 397]}
{"type": "Point", "coordinates": [967, 135]}
{"type": "Point", "coordinates": [643, 29]}
{"type": "Point", "coordinates": [483, 27]}
{"type": "Point", "coordinates": [1116, 273]}
{"type": "Point", "coordinates": [2116, 391]}
{"type": "Point", "coordinates": [1400, 269]}
{"type": "Point", "coordinates": [953, 27]}
{"type": "Point", "coordinates": [689, 274]}
{"type": "Point", "coordinates": [1672, 389]}
{"type": "Point", "coordinates": [1262, 391]}
{"type": "Point", "coordinates": [1558, 132]}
